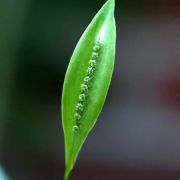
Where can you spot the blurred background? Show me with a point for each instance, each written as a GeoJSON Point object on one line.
{"type": "Point", "coordinates": [137, 134]}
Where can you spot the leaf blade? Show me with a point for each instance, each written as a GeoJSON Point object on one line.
{"type": "Point", "coordinates": [102, 27]}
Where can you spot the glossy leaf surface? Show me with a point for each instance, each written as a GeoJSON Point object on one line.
{"type": "Point", "coordinates": [87, 80]}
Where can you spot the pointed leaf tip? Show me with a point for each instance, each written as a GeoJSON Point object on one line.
{"type": "Point", "coordinates": [111, 4]}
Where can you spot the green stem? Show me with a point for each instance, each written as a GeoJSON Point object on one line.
{"type": "Point", "coordinates": [66, 175]}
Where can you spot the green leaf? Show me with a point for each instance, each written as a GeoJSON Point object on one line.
{"type": "Point", "coordinates": [87, 81]}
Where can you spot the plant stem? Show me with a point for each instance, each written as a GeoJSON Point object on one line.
{"type": "Point", "coordinates": [66, 176]}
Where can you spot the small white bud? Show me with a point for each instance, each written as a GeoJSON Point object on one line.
{"type": "Point", "coordinates": [90, 70]}
{"type": "Point", "coordinates": [87, 79]}
{"type": "Point", "coordinates": [77, 116]}
{"type": "Point", "coordinates": [96, 48]}
{"type": "Point", "coordinates": [94, 54]}
{"type": "Point", "coordinates": [75, 128]}
{"type": "Point", "coordinates": [82, 97]}
{"type": "Point", "coordinates": [79, 106]}
{"type": "Point", "coordinates": [92, 63]}
{"type": "Point", "coordinates": [84, 87]}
